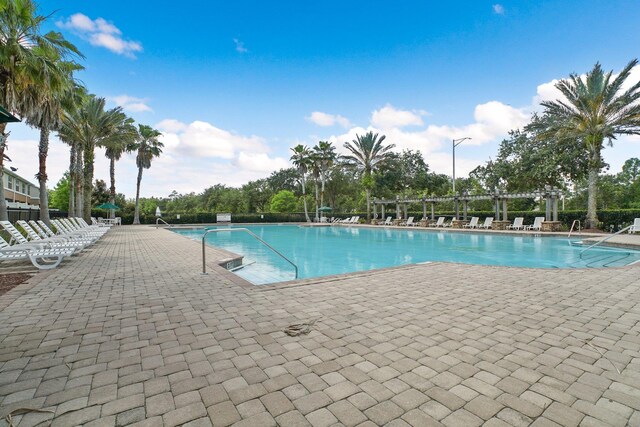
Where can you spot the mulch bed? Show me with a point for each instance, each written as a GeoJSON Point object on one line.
{"type": "Point", "coordinates": [10, 281]}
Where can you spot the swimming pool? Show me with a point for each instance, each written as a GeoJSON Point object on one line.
{"type": "Point", "coordinates": [323, 251]}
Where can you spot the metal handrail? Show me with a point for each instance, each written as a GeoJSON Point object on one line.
{"type": "Point", "coordinates": [217, 230]}
{"type": "Point", "coordinates": [160, 219]}
{"type": "Point", "coordinates": [573, 225]}
{"type": "Point", "coordinates": [604, 240]}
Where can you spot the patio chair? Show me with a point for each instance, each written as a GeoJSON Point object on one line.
{"type": "Point", "coordinates": [408, 222]}
{"type": "Point", "coordinates": [60, 241]}
{"type": "Point", "coordinates": [355, 220]}
{"type": "Point", "coordinates": [635, 228]}
{"type": "Point", "coordinates": [42, 258]}
{"type": "Point", "coordinates": [517, 224]}
{"type": "Point", "coordinates": [64, 229]}
{"type": "Point", "coordinates": [347, 220]}
{"type": "Point", "coordinates": [487, 223]}
{"type": "Point", "coordinates": [388, 221]}
{"type": "Point", "coordinates": [537, 224]}
{"type": "Point", "coordinates": [439, 223]}
{"type": "Point", "coordinates": [21, 242]}
{"type": "Point", "coordinates": [473, 223]}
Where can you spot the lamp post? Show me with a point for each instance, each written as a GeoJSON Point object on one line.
{"type": "Point", "coordinates": [454, 144]}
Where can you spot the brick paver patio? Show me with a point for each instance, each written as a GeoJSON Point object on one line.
{"type": "Point", "coordinates": [130, 332]}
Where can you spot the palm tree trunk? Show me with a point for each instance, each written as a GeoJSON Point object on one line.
{"type": "Point", "coordinates": [72, 181]}
{"type": "Point", "coordinates": [112, 175]}
{"type": "Point", "coordinates": [368, 192]}
{"type": "Point", "coordinates": [136, 215]}
{"type": "Point", "coordinates": [88, 182]}
{"type": "Point", "coordinates": [79, 182]}
{"type": "Point", "coordinates": [43, 150]}
{"type": "Point", "coordinates": [592, 212]}
{"type": "Point", "coordinates": [304, 199]}
{"type": "Point", "coordinates": [4, 215]}
{"type": "Point", "coordinates": [317, 219]}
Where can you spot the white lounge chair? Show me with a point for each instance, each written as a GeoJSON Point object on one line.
{"type": "Point", "coordinates": [439, 223]}
{"type": "Point", "coordinates": [537, 224]}
{"type": "Point", "coordinates": [408, 222]}
{"type": "Point", "coordinates": [487, 223]}
{"type": "Point", "coordinates": [42, 258]}
{"type": "Point", "coordinates": [55, 241]}
{"type": "Point", "coordinates": [473, 223]}
{"type": "Point", "coordinates": [635, 228]}
{"type": "Point", "coordinates": [517, 224]}
{"type": "Point", "coordinates": [388, 221]}
{"type": "Point", "coordinates": [355, 220]}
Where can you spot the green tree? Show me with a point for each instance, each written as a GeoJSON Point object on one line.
{"type": "Point", "coordinates": [283, 201]}
{"type": "Point", "coordinates": [324, 155]}
{"type": "Point", "coordinates": [367, 155]}
{"type": "Point", "coordinates": [116, 144]}
{"type": "Point", "coordinates": [100, 193]}
{"type": "Point", "coordinates": [301, 159]}
{"type": "Point", "coordinates": [90, 125]}
{"type": "Point", "coordinates": [59, 196]}
{"type": "Point", "coordinates": [595, 110]}
{"type": "Point", "coordinates": [148, 147]}
{"type": "Point", "coordinates": [28, 60]}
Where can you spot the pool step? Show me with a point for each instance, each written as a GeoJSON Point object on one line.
{"type": "Point", "coordinates": [263, 274]}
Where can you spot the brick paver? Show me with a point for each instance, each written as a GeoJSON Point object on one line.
{"type": "Point", "coordinates": [129, 332]}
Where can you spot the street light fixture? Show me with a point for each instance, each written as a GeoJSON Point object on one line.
{"type": "Point", "coordinates": [456, 142]}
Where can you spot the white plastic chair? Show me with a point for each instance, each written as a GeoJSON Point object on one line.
{"type": "Point", "coordinates": [473, 223]}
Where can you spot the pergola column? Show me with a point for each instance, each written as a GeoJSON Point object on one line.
{"type": "Point", "coordinates": [556, 195]}
{"type": "Point", "coordinates": [497, 201]}
{"type": "Point", "coordinates": [433, 210]}
{"type": "Point", "coordinates": [424, 208]}
{"type": "Point", "coordinates": [382, 208]}
{"type": "Point", "coordinates": [504, 209]}
{"type": "Point", "coordinates": [375, 214]}
{"type": "Point", "coordinates": [547, 196]}
{"type": "Point", "coordinates": [398, 213]}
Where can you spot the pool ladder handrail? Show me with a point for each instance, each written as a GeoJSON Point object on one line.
{"type": "Point", "coordinates": [160, 219]}
{"type": "Point", "coordinates": [217, 230]}
{"type": "Point", "coordinates": [604, 239]}
{"type": "Point", "coordinates": [573, 225]}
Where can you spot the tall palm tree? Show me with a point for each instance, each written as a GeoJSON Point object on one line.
{"type": "Point", "coordinates": [43, 107]}
{"type": "Point", "coordinates": [596, 109]}
{"type": "Point", "coordinates": [148, 147]}
{"type": "Point", "coordinates": [325, 154]}
{"type": "Point", "coordinates": [115, 146]}
{"type": "Point", "coordinates": [26, 55]}
{"type": "Point", "coordinates": [301, 160]}
{"type": "Point", "coordinates": [90, 125]}
{"type": "Point", "coordinates": [367, 155]}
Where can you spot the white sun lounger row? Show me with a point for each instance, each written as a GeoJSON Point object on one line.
{"type": "Point", "coordinates": [44, 247]}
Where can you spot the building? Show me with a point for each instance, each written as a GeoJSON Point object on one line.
{"type": "Point", "coordinates": [18, 192]}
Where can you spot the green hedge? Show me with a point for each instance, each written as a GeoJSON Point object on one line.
{"type": "Point", "coordinates": [610, 219]}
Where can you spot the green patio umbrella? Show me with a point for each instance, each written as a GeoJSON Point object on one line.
{"type": "Point", "coordinates": [107, 206]}
{"type": "Point", "coordinates": [325, 209]}
{"type": "Point", "coordinates": [6, 117]}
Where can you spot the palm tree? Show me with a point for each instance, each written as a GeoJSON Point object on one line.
{"type": "Point", "coordinates": [301, 160]}
{"type": "Point", "coordinates": [596, 109]}
{"type": "Point", "coordinates": [26, 56]}
{"type": "Point", "coordinates": [115, 146]}
{"type": "Point", "coordinates": [148, 147]}
{"type": "Point", "coordinates": [367, 155]}
{"type": "Point", "coordinates": [325, 154]}
{"type": "Point", "coordinates": [89, 126]}
{"type": "Point", "coordinates": [43, 107]}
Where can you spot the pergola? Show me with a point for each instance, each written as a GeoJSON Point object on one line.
{"type": "Point", "coordinates": [550, 194]}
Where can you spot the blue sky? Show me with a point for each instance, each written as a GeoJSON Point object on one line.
{"type": "Point", "coordinates": [234, 85]}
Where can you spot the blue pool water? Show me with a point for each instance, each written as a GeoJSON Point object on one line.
{"type": "Point", "coordinates": [323, 251]}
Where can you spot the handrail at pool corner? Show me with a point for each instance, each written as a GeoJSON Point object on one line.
{"type": "Point", "coordinates": [604, 239]}
{"type": "Point", "coordinates": [160, 219]}
{"type": "Point", "coordinates": [573, 225]}
{"type": "Point", "coordinates": [216, 230]}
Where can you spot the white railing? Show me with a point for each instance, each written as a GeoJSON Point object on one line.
{"type": "Point", "coordinates": [217, 230]}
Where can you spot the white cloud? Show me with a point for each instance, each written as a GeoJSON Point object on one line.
{"type": "Point", "coordinates": [130, 103]}
{"type": "Point", "coordinates": [389, 117]}
{"type": "Point", "coordinates": [325, 119]}
{"type": "Point", "coordinates": [240, 46]}
{"type": "Point", "coordinates": [498, 9]}
{"type": "Point", "coordinates": [101, 33]}
{"type": "Point", "coordinates": [260, 162]}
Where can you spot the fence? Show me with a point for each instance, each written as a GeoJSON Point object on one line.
{"type": "Point", "coordinates": [16, 214]}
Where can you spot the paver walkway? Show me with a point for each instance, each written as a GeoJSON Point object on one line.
{"type": "Point", "coordinates": [130, 332]}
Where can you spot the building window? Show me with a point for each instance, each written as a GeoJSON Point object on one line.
{"type": "Point", "coordinates": [9, 182]}
{"type": "Point", "coordinates": [24, 188]}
